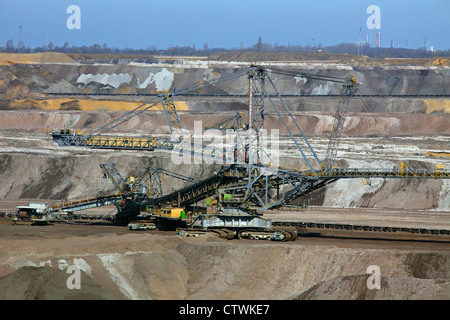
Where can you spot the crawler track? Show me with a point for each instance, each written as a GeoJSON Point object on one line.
{"type": "Point", "coordinates": [275, 235]}
{"type": "Point", "coordinates": [194, 232]}
{"type": "Point", "coordinates": [251, 234]}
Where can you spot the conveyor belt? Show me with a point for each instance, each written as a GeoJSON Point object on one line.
{"type": "Point", "coordinates": [352, 227]}
{"type": "Point", "coordinates": [84, 204]}
{"type": "Point", "coordinates": [193, 193]}
{"type": "Point", "coordinates": [245, 96]}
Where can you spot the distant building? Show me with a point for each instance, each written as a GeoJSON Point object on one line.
{"type": "Point", "coordinates": [378, 40]}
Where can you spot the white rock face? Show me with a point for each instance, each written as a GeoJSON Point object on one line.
{"type": "Point", "coordinates": [163, 80]}
{"type": "Point", "coordinates": [113, 80]}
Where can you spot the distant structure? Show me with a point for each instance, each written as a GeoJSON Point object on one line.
{"type": "Point", "coordinates": [378, 40]}
{"type": "Point", "coordinates": [259, 44]}
{"type": "Point", "coordinates": [369, 40]}
{"type": "Point", "coordinates": [20, 44]}
{"type": "Point", "coordinates": [360, 47]}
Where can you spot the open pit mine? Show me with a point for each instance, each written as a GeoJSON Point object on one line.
{"type": "Point", "coordinates": [186, 179]}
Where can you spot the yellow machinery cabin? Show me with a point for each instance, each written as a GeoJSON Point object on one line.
{"type": "Point", "coordinates": [177, 213]}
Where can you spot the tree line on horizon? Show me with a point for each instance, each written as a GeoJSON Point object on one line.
{"type": "Point", "coordinates": [349, 48]}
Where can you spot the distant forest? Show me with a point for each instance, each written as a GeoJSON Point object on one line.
{"type": "Point", "coordinates": [205, 51]}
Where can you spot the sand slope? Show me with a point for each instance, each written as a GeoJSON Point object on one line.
{"type": "Point", "coordinates": [45, 57]}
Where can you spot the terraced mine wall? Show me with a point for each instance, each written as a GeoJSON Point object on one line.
{"type": "Point", "coordinates": [119, 264]}
{"type": "Point", "coordinates": [33, 81]}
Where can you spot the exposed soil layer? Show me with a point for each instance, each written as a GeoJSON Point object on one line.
{"type": "Point", "coordinates": [154, 122]}
{"type": "Point", "coordinates": [120, 264]}
{"type": "Point", "coordinates": [326, 57]}
{"type": "Point", "coordinates": [31, 58]}
{"type": "Point", "coordinates": [36, 81]}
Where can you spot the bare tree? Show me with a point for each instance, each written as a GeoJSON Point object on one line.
{"type": "Point", "coordinates": [10, 45]}
{"type": "Point", "coordinates": [259, 44]}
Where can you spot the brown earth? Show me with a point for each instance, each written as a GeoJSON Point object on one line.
{"type": "Point", "coordinates": [56, 57]}
{"type": "Point", "coordinates": [355, 288]}
{"type": "Point", "coordinates": [80, 104]}
{"type": "Point", "coordinates": [27, 58]}
{"type": "Point", "coordinates": [47, 283]}
{"type": "Point", "coordinates": [153, 122]}
{"type": "Point", "coordinates": [121, 264]}
{"type": "Point", "coordinates": [345, 58]}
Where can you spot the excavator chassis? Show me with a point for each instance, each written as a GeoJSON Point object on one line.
{"type": "Point", "coordinates": [236, 224]}
{"type": "Point", "coordinates": [226, 225]}
{"type": "Point", "coordinates": [250, 234]}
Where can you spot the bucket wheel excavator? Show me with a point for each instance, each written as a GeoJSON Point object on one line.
{"type": "Point", "coordinates": [245, 183]}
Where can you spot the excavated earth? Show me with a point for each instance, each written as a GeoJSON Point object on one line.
{"type": "Point", "coordinates": [119, 264]}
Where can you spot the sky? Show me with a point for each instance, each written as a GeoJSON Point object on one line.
{"type": "Point", "coordinates": [225, 24]}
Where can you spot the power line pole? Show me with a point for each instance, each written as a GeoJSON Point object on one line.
{"type": "Point", "coordinates": [20, 45]}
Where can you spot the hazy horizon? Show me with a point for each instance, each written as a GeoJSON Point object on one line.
{"type": "Point", "coordinates": [141, 24]}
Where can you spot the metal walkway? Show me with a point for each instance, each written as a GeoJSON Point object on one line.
{"type": "Point", "coordinates": [76, 205]}
{"type": "Point", "coordinates": [72, 138]}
